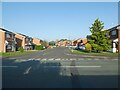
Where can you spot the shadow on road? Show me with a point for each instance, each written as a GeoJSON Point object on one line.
{"type": "Point", "coordinates": [39, 76]}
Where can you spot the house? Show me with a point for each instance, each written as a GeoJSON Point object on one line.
{"type": "Point", "coordinates": [24, 41]}
{"type": "Point", "coordinates": [7, 41]}
{"type": "Point", "coordinates": [75, 42]}
{"type": "Point", "coordinates": [20, 39]}
{"type": "Point", "coordinates": [28, 43]}
{"type": "Point", "coordinates": [63, 43]}
{"type": "Point", "coordinates": [79, 42]}
{"type": "Point", "coordinates": [36, 41]}
{"type": "Point", "coordinates": [114, 33]}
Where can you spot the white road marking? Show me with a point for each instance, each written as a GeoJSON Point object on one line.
{"type": "Point", "coordinates": [28, 70]}
{"type": "Point", "coordinates": [10, 66]}
{"type": "Point", "coordinates": [20, 60]}
{"type": "Point", "coordinates": [72, 58]}
{"type": "Point", "coordinates": [51, 59]}
{"type": "Point", "coordinates": [96, 59]}
{"type": "Point", "coordinates": [24, 60]}
{"type": "Point", "coordinates": [31, 59]}
{"type": "Point", "coordinates": [76, 66]}
{"type": "Point", "coordinates": [66, 58]}
{"type": "Point", "coordinates": [89, 59]}
{"type": "Point", "coordinates": [44, 59]}
{"type": "Point", "coordinates": [57, 59]}
{"type": "Point", "coordinates": [62, 59]}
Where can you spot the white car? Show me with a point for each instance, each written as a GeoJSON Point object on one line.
{"type": "Point", "coordinates": [82, 47]}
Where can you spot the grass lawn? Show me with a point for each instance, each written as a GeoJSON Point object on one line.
{"type": "Point", "coordinates": [93, 53]}
{"type": "Point", "coordinates": [17, 53]}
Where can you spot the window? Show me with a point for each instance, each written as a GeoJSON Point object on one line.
{"type": "Point", "coordinates": [7, 35]}
{"type": "Point", "coordinates": [26, 39]}
{"type": "Point", "coordinates": [114, 32]}
{"type": "Point", "coordinates": [30, 39]}
{"type": "Point", "coordinates": [9, 47]}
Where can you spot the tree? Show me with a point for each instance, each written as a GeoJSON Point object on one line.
{"type": "Point", "coordinates": [99, 39]}
{"type": "Point", "coordinates": [21, 49]}
{"type": "Point", "coordinates": [63, 40]}
{"type": "Point", "coordinates": [44, 43]}
{"type": "Point", "coordinates": [52, 43]}
{"type": "Point", "coordinates": [39, 47]}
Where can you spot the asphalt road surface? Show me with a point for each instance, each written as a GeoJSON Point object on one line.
{"type": "Point", "coordinates": [58, 68]}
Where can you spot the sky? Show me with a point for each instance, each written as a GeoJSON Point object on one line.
{"type": "Point", "coordinates": [57, 20]}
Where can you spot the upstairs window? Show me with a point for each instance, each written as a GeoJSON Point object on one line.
{"type": "Point", "coordinates": [7, 35]}
{"type": "Point", "coordinates": [30, 39]}
{"type": "Point", "coordinates": [26, 39]}
{"type": "Point", "coordinates": [114, 32]}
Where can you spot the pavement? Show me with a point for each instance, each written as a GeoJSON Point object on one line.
{"type": "Point", "coordinates": [59, 68]}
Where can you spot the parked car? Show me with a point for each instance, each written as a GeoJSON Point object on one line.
{"type": "Point", "coordinates": [82, 47]}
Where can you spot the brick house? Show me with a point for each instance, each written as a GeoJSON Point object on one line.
{"type": "Point", "coordinates": [7, 41]}
{"type": "Point", "coordinates": [36, 41]}
{"type": "Point", "coordinates": [114, 33]}
{"type": "Point", "coordinates": [24, 41]}
{"type": "Point", "coordinates": [28, 43]}
{"type": "Point", "coordinates": [63, 43]}
{"type": "Point", "coordinates": [20, 39]}
{"type": "Point", "coordinates": [75, 42]}
{"type": "Point", "coordinates": [79, 42]}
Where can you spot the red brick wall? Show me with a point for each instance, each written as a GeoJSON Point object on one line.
{"type": "Point", "coordinates": [118, 39]}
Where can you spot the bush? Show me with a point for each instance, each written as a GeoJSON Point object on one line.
{"type": "Point", "coordinates": [88, 47]}
{"type": "Point", "coordinates": [21, 49]}
{"type": "Point", "coordinates": [39, 47]}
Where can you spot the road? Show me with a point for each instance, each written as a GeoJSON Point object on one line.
{"type": "Point", "coordinates": [58, 68]}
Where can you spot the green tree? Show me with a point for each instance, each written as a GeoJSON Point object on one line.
{"type": "Point", "coordinates": [99, 39]}
{"type": "Point", "coordinates": [39, 47]}
{"type": "Point", "coordinates": [21, 49]}
{"type": "Point", "coordinates": [44, 43]}
{"type": "Point", "coordinates": [52, 43]}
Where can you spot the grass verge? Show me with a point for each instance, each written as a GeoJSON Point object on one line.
{"type": "Point", "coordinates": [17, 53]}
{"type": "Point", "coordinates": [93, 53]}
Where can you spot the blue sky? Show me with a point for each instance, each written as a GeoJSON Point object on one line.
{"type": "Point", "coordinates": [51, 21]}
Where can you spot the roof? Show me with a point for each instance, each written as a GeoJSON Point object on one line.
{"type": "Point", "coordinates": [36, 38]}
{"type": "Point", "coordinates": [24, 35]}
{"type": "Point", "coordinates": [6, 30]}
{"type": "Point", "coordinates": [113, 28]}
